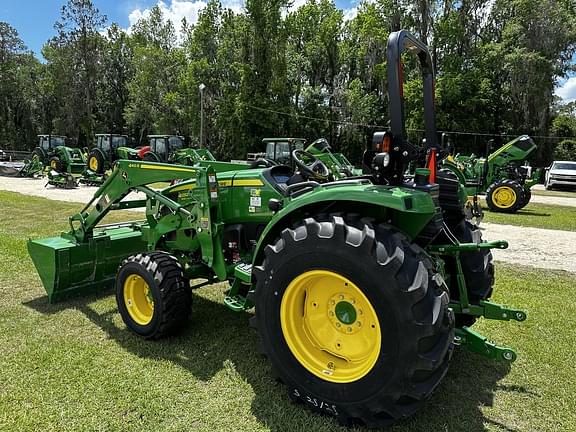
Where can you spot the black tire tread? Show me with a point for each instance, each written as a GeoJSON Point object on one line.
{"type": "Point", "coordinates": [176, 299]}
{"type": "Point", "coordinates": [95, 152]}
{"type": "Point", "coordinates": [428, 325]}
{"type": "Point", "coordinates": [518, 189]}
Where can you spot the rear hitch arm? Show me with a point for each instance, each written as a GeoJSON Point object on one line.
{"type": "Point", "coordinates": [475, 342]}
{"type": "Point", "coordinates": [490, 310]}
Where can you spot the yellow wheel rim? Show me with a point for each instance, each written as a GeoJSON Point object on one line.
{"type": "Point", "coordinates": [138, 299]}
{"type": "Point", "coordinates": [330, 326]}
{"type": "Point", "coordinates": [93, 163]}
{"type": "Point", "coordinates": [504, 197]}
{"type": "Point", "coordinates": [53, 164]}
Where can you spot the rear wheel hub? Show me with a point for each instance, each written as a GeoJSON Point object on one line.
{"type": "Point", "coordinates": [330, 326]}
{"type": "Point", "coordinates": [504, 197]}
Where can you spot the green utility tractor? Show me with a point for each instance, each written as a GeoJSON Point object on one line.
{"type": "Point", "coordinates": [361, 287]}
{"type": "Point", "coordinates": [171, 149]}
{"type": "Point", "coordinates": [62, 161]}
{"type": "Point", "coordinates": [107, 150]}
{"type": "Point", "coordinates": [504, 175]}
{"type": "Point", "coordinates": [279, 152]}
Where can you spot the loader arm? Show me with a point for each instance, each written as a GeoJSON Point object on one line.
{"type": "Point", "coordinates": [129, 176]}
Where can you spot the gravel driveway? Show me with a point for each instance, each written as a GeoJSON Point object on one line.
{"type": "Point", "coordinates": [36, 187]}
{"type": "Point", "coordinates": [536, 247]}
{"type": "Point", "coordinates": [539, 247]}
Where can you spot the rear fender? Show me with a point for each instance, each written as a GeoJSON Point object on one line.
{"type": "Point", "coordinates": [406, 210]}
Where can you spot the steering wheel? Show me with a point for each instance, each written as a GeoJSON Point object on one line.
{"type": "Point", "coordinates": [310, 166]}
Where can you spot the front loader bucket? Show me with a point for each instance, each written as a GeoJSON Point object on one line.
{"type": "Point", "coordinates": [68, 268]}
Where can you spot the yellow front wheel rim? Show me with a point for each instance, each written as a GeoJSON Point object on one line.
{"type": "Point", "coordinates": [330, 326]}
{"type": "Point", "coordinates": [53, 164]}
{"type": "Point", "coordinates": [93, 164]}
{"type": "Point", "coordinates": [138, 299]}
{"type": "Point", "coordinates": [504, 197]}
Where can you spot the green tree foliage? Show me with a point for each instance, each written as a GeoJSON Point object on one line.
{"type": "Point", "coordinates": [276, 70]}
{"type": "Point", "coordinates": [566, 150]}
{"type": "Point", "coordinates": [18, 80]}
{"type": "Point", "coordinates": [155, 101]}
{"type": "Point", "coordinates": [73, 63]}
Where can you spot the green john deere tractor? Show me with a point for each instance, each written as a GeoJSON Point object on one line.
{"type": "Point", "coordinates": [107, 150]}
{"type": "Point", "coordinates": [279, 152]}
{"type": "Point", "coordinates": [503, 175]}
{"type": "Point", "coordinates": [62, 161]}
{"type": "Point", "coordinates": [361, 287]}
{"type": "Point", "coordinates": [171, 149]}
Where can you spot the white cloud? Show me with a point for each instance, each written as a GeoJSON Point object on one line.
{"type": "Point", "coordinates": [350, 14]}
{"type": "Point", "coordinates": [567, 91]}
{"type": "Point", "coordinates": [178, 9]}
{"type": "Point", "coordinates": [175, 10]}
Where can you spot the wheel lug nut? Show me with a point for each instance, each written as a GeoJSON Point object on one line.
{"type": "Point", "coordinates": [349, 329]}
{"type": "Point", "coordinates": [331, 313]}
{"type": "Point", "coordinates": [341, 297]}
{"type": "Point", "coordinates": [337, 324]}
{"type": "Point", "coordinates": [332, 302]}
{"type": "Point", "coordinates": [359, 324]}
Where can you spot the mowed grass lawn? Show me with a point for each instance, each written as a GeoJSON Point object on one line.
{"type": "Point", "coordinates": [538, 216]}
{"type": "Point", "coordinates": [74, 366]}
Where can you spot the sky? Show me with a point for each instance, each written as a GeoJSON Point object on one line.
{"type": "Point", "coordinates": [34, 20]}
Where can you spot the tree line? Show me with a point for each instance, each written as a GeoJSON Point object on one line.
{"type": "Point", "coordinates": [274, 71]}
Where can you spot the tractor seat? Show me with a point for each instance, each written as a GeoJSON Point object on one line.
{"type": "Point", "coordinates": [281, 176]}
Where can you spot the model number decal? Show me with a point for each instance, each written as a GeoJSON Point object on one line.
{"type": "Point", "coordinates": [317, 403]}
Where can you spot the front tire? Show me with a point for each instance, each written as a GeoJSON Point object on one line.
{"type": "Point", "coordinates": [152, 294]}
{"type": "Point", "coordinates": [353, 320]}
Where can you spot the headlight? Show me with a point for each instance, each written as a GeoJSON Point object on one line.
{"type": "Point", "coordinates": [382, 160]}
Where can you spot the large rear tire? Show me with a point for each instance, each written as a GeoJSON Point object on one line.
{"type": "Point", "coordinates": [152, 294]}
{"type": "Point", "coordinates": [56, 164]}
{"type": "Point", "coordinates": [504, 196]}
{"type": "Point", "coordinates": [353, 320]}
{"type": "Point", "coordinates": [151, 157]}
{"type": "Point", "coordinates": [478, 269]}
{"type": "Point", "coordinates": [526, 197]}
{"type": "Point", "coordinates": [96, 161]}
{"type": "Point", "coordinates": [41, 154]}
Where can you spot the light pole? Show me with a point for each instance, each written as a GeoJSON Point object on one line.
{"type": "Point", "coordinates": [201, 87]}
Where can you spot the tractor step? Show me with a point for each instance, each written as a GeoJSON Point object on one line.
{"type": "Point", "coordinates": [237, 303]}
{"type": "Point", "coordinates": [475, 342]}
{"type": "Point", "coordinates": [243, 272]}
{"type": "Point", "coordinates": [242, 278]}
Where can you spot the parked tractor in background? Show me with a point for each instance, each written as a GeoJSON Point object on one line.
{"type": "Point", "coordinates": [279, 152]}
{"type": "Point", "coordinates": [361, 286]}
{"type": "Point", "coordinates": [62, 161]}
{"type": "Point", "coordinates": [108, 149]}
{"type": "Point", "coordinates": [172, 149]}
{"type": "Point", "coordinates": [504, 175]}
